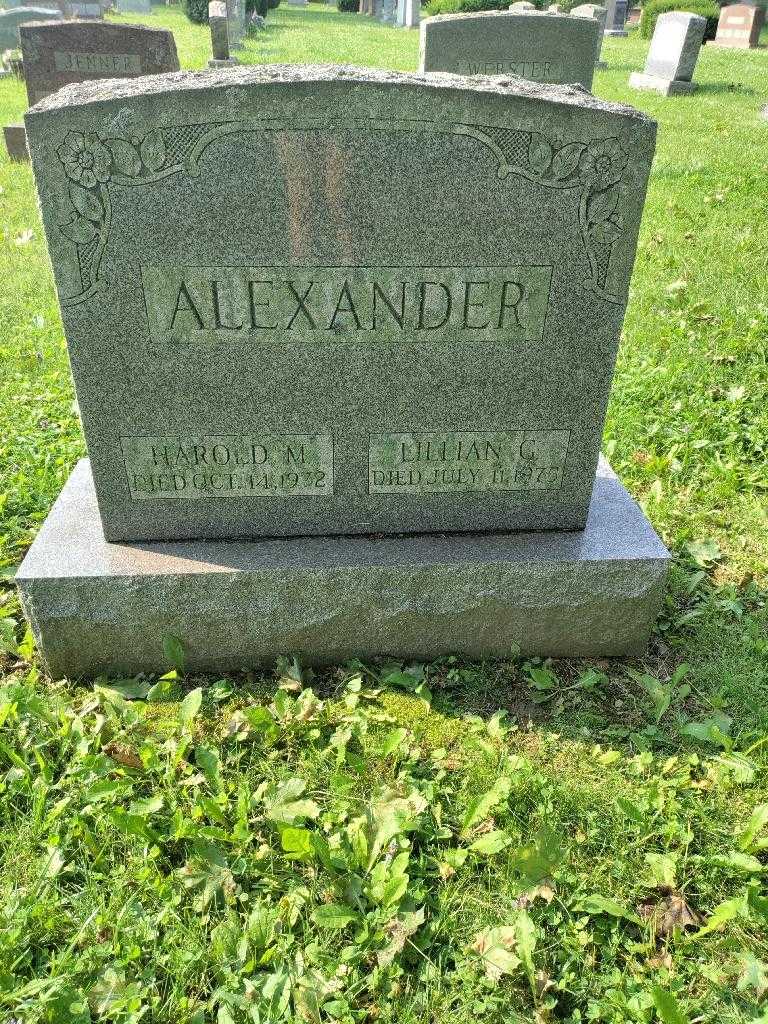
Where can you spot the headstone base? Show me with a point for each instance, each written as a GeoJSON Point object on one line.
{"type": "Point", "coordinates": [99, 608]}
{"type": "Point", "coordinates": [665, 86]}
{"type": "Point", "coordinates": [616, 32]}
{"type": "Point", "coordinates": [16, 142]}
{"type": "Point", "coordinates": [230, 62]}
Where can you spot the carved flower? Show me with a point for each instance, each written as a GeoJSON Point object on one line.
{"type": "Point", "coordinates": [603, 161]}
{"type": "Point", "coordinates": [85, 159]}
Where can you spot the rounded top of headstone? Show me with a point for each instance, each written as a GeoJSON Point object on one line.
{"type": "Point", "coordinates": [510, 14]}
{"type": "Point", "coordinates": [217, 9]}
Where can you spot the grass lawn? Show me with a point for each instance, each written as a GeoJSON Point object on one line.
{"type": "Point", "coordinates": [522, 841]}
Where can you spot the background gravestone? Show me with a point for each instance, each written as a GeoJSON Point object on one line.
{"type": "Point", "coordinates": [134, 7]}
{"type": "Point", "coordinates": [75, 51]}
{"type": "Point", "coordinates": [10, 21]}
{"type": "Point", "coordinates": [235, 23]}
{"type": "Point", "coordinates": [671, 60]}
{"type": "Point", "coordinates": [408, 13]}
{"type": "Point", "coordinates": [598, 13]}
{"type": "Point", "coordinates": [217, 22]}
{"type": "Point", "coordinates": [541, 47]}
{"type": "Point", "coordinates": [327, 365]}
{"type": "Point", "coordinates": [616, 17]}
{"type": "Point", "coordinates": [16, 142]}
{"type": "Point", "coordinates": [739, 26]}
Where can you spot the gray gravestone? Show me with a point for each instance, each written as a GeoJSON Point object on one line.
{"type": "Point", "coordinates": [408, 13]}
{"type": "Point", "coordinates": [235, 23]}
{"type": "Point", "coordinates": [58, 54]}
{"type": "Point", "coordinates": [291, 328]}
{"type": "Point", "coordinates": [671, 60]}
{"type": "Point", "coordinates": [541, 47]}
{"type": "Point", "coordinates": [217, 22]}
{"type": "Point", "coordinates": [11, 20]}
{"type": "Point", "coordinates": [598, 13]}
{"type": "Point", "coordinates": [16, 142]}
{"type": "Point", "coordinates": [616, 17]}
{"type": "Point", "coordinates": [85, 10]}
{"type": "Point", "coordinates": [521, 6]}
{"type": "Point", "coordinates": [293, 358]}
{"type": "Point", "coordinates": [387, 13]}
{"type": "Point", "coordinates": [134, 7]}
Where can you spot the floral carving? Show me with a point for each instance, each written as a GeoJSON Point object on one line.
{"type": "Point", "coordinates": [594, 168]}
{"type": "Point", "coordinates": [93, 164]}
{"type": "Point", "coordinates": [85, 158]}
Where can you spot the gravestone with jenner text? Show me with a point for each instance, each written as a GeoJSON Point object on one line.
{"type": "Point", "coordinates": [541, 47]}
{"type": "Point", "coordinates": [77, 51]}
{"type": "Point", "coordinates": [295, 358]}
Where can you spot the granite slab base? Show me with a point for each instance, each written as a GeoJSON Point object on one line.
{"type": "Point", "coordinates": [99, 608]}
{"type": "Point", "coordinates": [664, 86]}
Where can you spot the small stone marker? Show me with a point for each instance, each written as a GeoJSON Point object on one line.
{"type": "Point", "coordinates": [521, 6]}
{"type": "Point", "coordinates": [671, 61]}
{"type": "Point", "coordinates": [739, 26]}
{"type": "Point", "coordinates": [134, 7]}
{"type": "Point", "coordinates": [616, 17]}
{"type": "Point", "coordinates": [16, 142]}
{"type": "Point", "coordinates": [295, 358]}
{"type": "Point", "coordinates": [58, 54]}
{"type": "Point", "coordinates": [235, 23]}
{"type": "Point", "coordinates": [217, 22]}
{"type": "Point", "coordinates": [541, 47]}
{"type": "Point", "coordinates": [408, 13]}
{"type": "Point", "coordinates": [85, 10]}
{"type": "Point", "coordinates": [597, 13]}
{"type": "Point", "coordinates": [10, 21]}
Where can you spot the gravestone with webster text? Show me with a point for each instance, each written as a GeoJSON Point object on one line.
{"type": "Point", "coordinates": [58, 54]}
{"type": "Point", "coordinates": [541, 47]}
{"type": "Point", "coordinates": [297, 358]}
{"type": "Point", "coordinates": [671, 60]}
{"type": "Point", "coordinates": [739, 26]}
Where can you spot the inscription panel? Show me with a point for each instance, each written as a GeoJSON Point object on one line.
{"type": "Point", "coordinates": [192, 304]}
{"type": "Point", "coordinates": [461, 461]}
{"type": "Point", "coordinates": [97, 63]}
{"type": "Point", "coordinates": [536, 69]}
{"type": "Point", "coordinates": [225, 465]}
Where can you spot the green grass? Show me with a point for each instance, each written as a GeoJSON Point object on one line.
{"type": "Point", "coordinates": [147, 872]}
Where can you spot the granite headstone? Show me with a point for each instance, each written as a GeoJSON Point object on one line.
{"type": "Point", "coordinates": [671, 60]}
{"type": "Point", "coordinates": [408, 13]}
{"type": "Point", "coordinates": [598, 13]}
{"type": "Point", "coordinates": [217, 23]}
{"type": "Point", "coordinates": [739, 26]}
{"type": "Point", "coordinates": [134, 7]}
{"type": "Point", "coordinates": [58, 54]}
{"type": "Point", "coordinates": [293, 356]}
{"type": "Point", "coordinates": [16, 142]}
{"type": "Point", "coordinates": [10, 21]}
{"type": "Point", "coordinates": [541, 47]}
{"type": "Point", "coordinates": [616, 17]}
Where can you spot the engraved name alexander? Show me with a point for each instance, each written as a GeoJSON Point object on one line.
{"type": "Point", "coordinates": [451, 461]}
{"type": "Point", "coordinates": [225, 465]}
{"type": "Point", "coordinates": [534, 70]}
{"type": "Point", "coordinates": [127, 63]}
{"type": "Point", "coordinates": [192, 304]}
